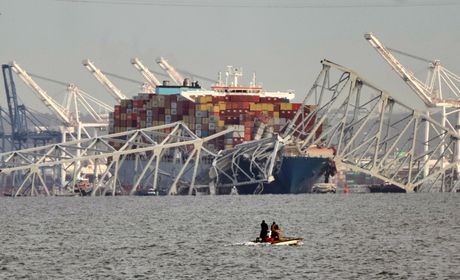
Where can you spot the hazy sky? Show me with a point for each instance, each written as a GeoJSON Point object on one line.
{"type": "Point", "coordinates": [283, 41]}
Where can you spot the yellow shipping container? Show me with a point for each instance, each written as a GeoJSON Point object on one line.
{"type": "Point", "coordinates": [267, 107]}
{"type": "Point", "coordinates": [285, 106]}
{"type": "Point", "coordinates": [215, 109]}
{"type": "Point", "coordinates": [221, 123]}
{"type": "Point", "coordinates": [276, 115]}
{"type": "Point", "coordinates": [204, 99]}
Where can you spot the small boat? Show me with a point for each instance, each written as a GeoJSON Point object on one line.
{"type": "Point", "coordinates": [83, 186]}
{"type": "Point", "coordinates": [285, 241]}
{"type": "Point", "coordinates": [148, 192]}
{"type": "Point", "coordinates": [324, 188]}
{"type": "Point", "coordinates": [234, 191]}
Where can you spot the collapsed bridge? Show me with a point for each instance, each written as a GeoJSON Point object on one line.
{"type": "Point", "coordinates": [371, 132]}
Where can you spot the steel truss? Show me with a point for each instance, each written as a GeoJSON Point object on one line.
{"type": "Point", "coordinates": [249, 163]}
{"type": "Point", "coordinates": [373, 133]}
{"type": "Point", "coordinates": [167, 156]}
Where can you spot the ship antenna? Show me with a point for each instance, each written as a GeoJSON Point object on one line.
{"type": "Point", "coordinates": [219, 78]}
{"type": "Point", "coordinates": [227, 73]}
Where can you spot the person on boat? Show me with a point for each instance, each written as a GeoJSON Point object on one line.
{"type": "Point", "coordinates": [276, 233]}
{"type": "Point", "coordinates": [263, 230]}
{"type": "Point", "coordinates": [272, 229]}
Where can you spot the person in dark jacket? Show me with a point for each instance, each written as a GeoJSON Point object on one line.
{"type": "Point", "coordinates": [263, 230]}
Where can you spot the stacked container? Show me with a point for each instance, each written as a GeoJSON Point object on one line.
{"type": "Point", "coordinates": [250, 116]}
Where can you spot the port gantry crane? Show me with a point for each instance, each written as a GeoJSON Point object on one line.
{"type": "Point", "coordinates": [97, 73]}
{"type": "Point", "coordinates": [20, 118]}
{"type": "Point", "coordinates": [69, 121]}
{"type": "Point", "coordinates": [16, 111]}
{"type": "Point", "coordinates": [432, 92]}
{"type": "Point", "coordinates": [173, 74]}
{"type": "Point", "coordinates": [152, 81]}
{"type": "Point", "coordinates": [77, 102]}
{"type": "Point", "coordinates": [69, 115]}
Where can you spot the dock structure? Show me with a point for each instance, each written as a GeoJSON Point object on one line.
{"type": "Point", "coordinates": [370, 131]}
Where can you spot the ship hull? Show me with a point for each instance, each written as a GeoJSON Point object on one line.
{"type": "Point", "coordinates": [297, 175]}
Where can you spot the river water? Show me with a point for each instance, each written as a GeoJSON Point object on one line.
{"type": "Point", "coordinates": [347, 236]}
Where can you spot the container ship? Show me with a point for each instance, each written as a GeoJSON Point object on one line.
{"type": "Point", "coordinates": [252, 112]}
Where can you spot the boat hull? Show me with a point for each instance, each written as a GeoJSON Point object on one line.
{"type": "Point", "coordinates": [289, 241]}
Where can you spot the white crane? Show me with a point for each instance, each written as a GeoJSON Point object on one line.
{"type": "Point", "coordinates": [78, 99]}
{"type": "Point", "coordinates": [69, 115]}
{"type": "Point", "coordinates": [173, 74]}
{"type": "Point", "coordinates": [113, 90]}
{"type": "Point", "coordinates": [148, 75]}
{"type": "Point", "coordinates": [62, 113]}
{"type": "Point", "coordinates": [431, 92]}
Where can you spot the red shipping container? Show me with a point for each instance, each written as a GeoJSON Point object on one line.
{"type": "Point", "coordinates": [295, 106]}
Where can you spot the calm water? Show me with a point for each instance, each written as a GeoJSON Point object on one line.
{"type": "Point", "coordinates": [354, 236]}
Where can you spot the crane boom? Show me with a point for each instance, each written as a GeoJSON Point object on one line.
{"type": "Point", "coordinates": [57, 109]}
{"type": "Point", "coordinates": [431, 91]}
{"type": "Point", "coordinates": [113, 90]}
{"type": "Point", "coordinates": [151, 79]}
{"type": "Point", "coordinates": [416, 85]}
{"type": "Point", "coordinates": [173, 74]}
